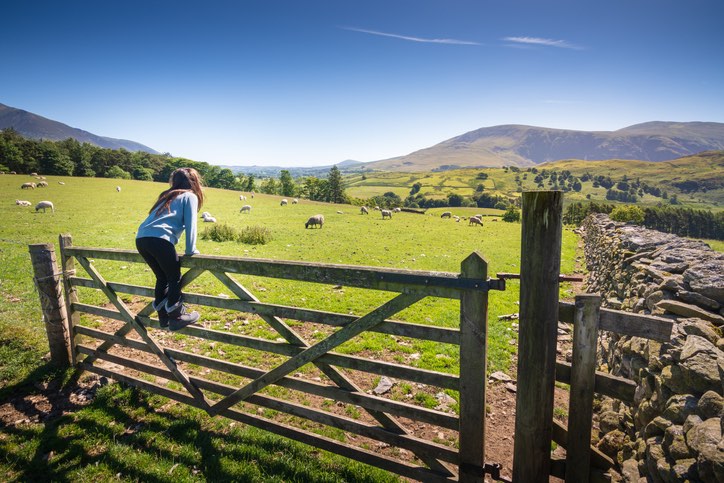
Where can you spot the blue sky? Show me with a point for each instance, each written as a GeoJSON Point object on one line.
{"type": "Point", "coordinates": [297, 83]}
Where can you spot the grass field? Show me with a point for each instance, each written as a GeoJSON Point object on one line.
{"type": "Point", "coordinates": [89, 448]}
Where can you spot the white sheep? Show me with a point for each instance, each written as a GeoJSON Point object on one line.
{"type": "Point", "coordinates": [209, 219]}
{"type": "Point", "coordinates": [386, 214]}
{"type": "Point", "coordinates": [22, 203]}
{"type": "Point", "coordinates": [475, 221]}
{"type": "Point", "coordinates": [446, 214]}
{"type": "Point", "coordinates": [118, 188]}
{"type": "Point", "coordinates": [27, 186]}
{"type": "Point", "coordinates": [316, 220]}
{"type": "Point", "coordinates": [205, 214]}
{"type": "Point", "coordinates": [457, 218]}
{"type": "Point", "coordinates": [43, 205]}
{"type": "Point", "coordinates": [397, 210]}
{"type": "Point", "coordinates": [246, 209]}
{"type": "Point", "coordinates": [364, 211]}
{"type": "Point", "coordinates": [42, 184]}
{"type": "Point", "coordinates": [377, 208]}
{"type": "Point", "coordinates": [340, 212]}
{"type": "Point", "coordinates": [242, 197]}
{"type": "Point", "coordinates": [61, 182]}
{"type": "Point", "coordinates": [295, 201]}
{"type": "Point", "coordinates": [284, 202]}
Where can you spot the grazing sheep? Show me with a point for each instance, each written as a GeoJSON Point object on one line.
{"type": "Point", "coordinates": [205, 214]}
{"type": "Point", "coordinates": [252, 194]}
{"type": "Point", "coordinates": [377, 208]}
{"type": "Point", "coordinates": [33, 174]}
{"type": "Point", "coordinates": [42, 184]}
{"type": "Point", "coordinates": [446, 214]}
{"type": "Point", "coordinates": [475, 221]}
{"type": "Point", "coordinates": [295, 201]}
{"type": "Point", "coordinates": [242, 197]}
{"type": "Point", "coordinates": [43, 205]}
{"type": "Point", "coordinates": [246, 209]}
{"type": "Point", "coordinates": [314, 221]}
{"type": "Point", "coordinates": [22, 203]}
{"type": "Point", "coordinates": [397, 210]}
{"type": "Point", "coordinates": [118, 188]}
{"type": "Point", "coordinates": [284, 202]}
{"type": "Point", "coordinates": [209, 219]}
{"type": "Point", "coordinates": [457, 218]}
{"type": "Point", "coordinates": [340, 212]}
{"type": "Point", "coordinates": [364, 211]}
{"type": "Point", "coordinates": [27, 186]}
{"type": "Point", "coordinates": [61, 182]}
{"type": "Point", "coordinates": [386, 214]}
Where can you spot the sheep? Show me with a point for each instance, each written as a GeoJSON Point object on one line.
{"type": "Point", "coordinates": [22, 203]}
{"type": "Point", "coordinates": [42, 184]}
{"type": "Point", "coordinates": [457, 218]}
{"type": "Point", "coordinates": [386, 214]}
{"type": "Point", "coordinates": [377, 208]}
{"type": "Point", "coordinates": [283, 202]}
{"type": "Point", "coordinates": [209, 219]}
{"type": "Point", "coordinates": [364, 211]}
{"type": "Point", "coordinates": [340, 212]}
{"type": "Point", "coordinates": [43, 205]}
{"type": "Point", "coordinates": [475, 221]}
{"type": "Point", "coordinates": [295, 201]}
{"type": "Point", "coordinates": [245, 209]}
{"type": "Point", "coordinates": [242, 198]}
{"type": "Point", "coordinates": [397, 210]}
{"type": "Point", "coordinates": [33, 174]}
{"type": "Point", "coordinates": [314, 221]}
{"type": "Point", "coordinates": [205, 214]}
{"type": "Point", "coordinates": [61, 182]}
{"type": "Point", "coordinates": [118, 189]}
{"type": "Point", "coordinates": [446, 214]}
{"type": "Point", "coordinates": [27, 186]}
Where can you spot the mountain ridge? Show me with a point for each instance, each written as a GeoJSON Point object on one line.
{"type": "Point", "coordinates": [35, 126]}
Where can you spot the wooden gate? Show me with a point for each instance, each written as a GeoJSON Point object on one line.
{"type": "Point", "coordinates": [439, 462]}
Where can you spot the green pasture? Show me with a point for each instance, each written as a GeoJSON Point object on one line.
{"type": "Point", "coordinates": [96, 215]}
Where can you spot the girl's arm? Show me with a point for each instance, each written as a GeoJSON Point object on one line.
{"type": "Point", "coordinates": [190, 210]}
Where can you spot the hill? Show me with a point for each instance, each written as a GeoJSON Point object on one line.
{"type": "Point", "coordinates": [34, 126]}
{"type": "Point", "coordinates": [523, 146]}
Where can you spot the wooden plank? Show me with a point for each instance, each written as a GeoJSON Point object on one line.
{"type": "Point", "coordinates": [580, 412]}
{"type": "Point", "coordinates": [626, 323]}
{"type": "Point", "coordinates": [561, 277]}
{"type": "Point", "coordinates": [362, 399]}
{"type": "Point", "coordinates": [141, 330]}
{"type": "Point", "coordinates": [71, 294]}
{"type": "Point", "coordinates": [598, 459]}
{"type": "Point", "coordinates": [332, 373]}
{"type": "Point", "coordinates": [394, 327]}
{"type": "Point", "coordinates": [399, 467]}
{"type": "Point", "coordinates": [438, 284]}
{"type": "Point", "coordinates": [605, 384]}
{"type": "Point", "coordinates": [393, 306]}
{"type": "Point", "coordinates": [473, 357]}
{"type": "Point", "coordinates": [539, 270]}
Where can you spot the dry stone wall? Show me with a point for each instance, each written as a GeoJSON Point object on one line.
{"type": "Point", "coordinates": [674, 430]}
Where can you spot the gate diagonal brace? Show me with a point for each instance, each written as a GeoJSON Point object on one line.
{"type": "Point", "coordinates": [134, 323]}
{"type": "Point", "coordinates": [332, 373]}
{"type": "Point", "coordinates": [358, 326]}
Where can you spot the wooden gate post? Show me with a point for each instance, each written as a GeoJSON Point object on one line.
{"type": "Point", "coordinates": [473, 376]}
{"type": "Point", "coordinates": [539, 270]}
{"type": "Point", "coordinates": [48, 282]}
{"type": "Point", "coordinates": [583, 373]}
{"type": "Point", "coordinates": [71, 295]}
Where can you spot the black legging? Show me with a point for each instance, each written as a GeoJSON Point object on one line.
{"type": "Point", "coordinates": [161, 256]}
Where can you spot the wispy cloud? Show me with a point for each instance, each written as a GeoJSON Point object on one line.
{"type": "Point", "coordinates": [537, 41]}
{"type": "Point", "coordinates": [412, 39]}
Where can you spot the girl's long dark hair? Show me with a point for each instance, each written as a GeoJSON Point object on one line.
{"type": "Point", "coordinates": [181, 181]}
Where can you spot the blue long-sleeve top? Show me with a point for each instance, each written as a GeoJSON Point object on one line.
{"type": "Point", "coordinates": [169, 224]}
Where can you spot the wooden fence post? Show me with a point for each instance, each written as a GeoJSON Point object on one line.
{"type": "Point", "coordinates": [71, 295]}
{"type": "Point", "coordinates": [583, 373]}
{"type": "Point", "coordinates": [52, 302]}
{"type": "Point", "coordinates": [473, 376]}
{"type": "Point", "coordinates": [539, 270]}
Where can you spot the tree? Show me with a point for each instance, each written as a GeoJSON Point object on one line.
{"type": "Point", "coordinates": [287, 183]}
{"type": "Point", "coordinates": [250, 184]}
{"type": "Point", "coordinates": [512, 215]}
{"type": "Point", "coordinates": [336, 192]}
{"type": "Point", "coordinates": [269, 186]}
{"type": "Point", "coordinates": [416, 188]}
{"type": "Point", "coordinates": [628, 214]}
{"type": "Point", "coordinates": [116, 172]}
{"type": "Point", "coordinates": [454, 199]}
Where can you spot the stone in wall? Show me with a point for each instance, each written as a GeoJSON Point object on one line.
{"type": "Point", "coordinates": [674, 431]}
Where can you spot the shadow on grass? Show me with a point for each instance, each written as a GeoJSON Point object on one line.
{"type": "Point", "coordinates": [128, 434]}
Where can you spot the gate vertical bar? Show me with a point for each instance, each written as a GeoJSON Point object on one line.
{"type": "Point", "coordinates": [473, 377]}
{"type": "Point", "coordinates": [583, 373]}
{"type": "Point", "coordinates": [539, 270]}
{"type": "Point", "coordinates": [52, 302]}
{"type": "Point", "coordinates": [71, 295]}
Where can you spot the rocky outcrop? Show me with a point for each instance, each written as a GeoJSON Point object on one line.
{"type": "Point", "coordinates": [673, 432]}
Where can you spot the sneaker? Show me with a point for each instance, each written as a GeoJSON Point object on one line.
{"type": "Point", "coordinates": [179, 317]}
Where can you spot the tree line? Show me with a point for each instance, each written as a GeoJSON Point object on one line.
{"type": "Point", "coordinates": [669, 219]}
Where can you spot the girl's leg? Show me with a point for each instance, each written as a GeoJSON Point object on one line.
{"type": "Point", "coordinates": [161, 257]}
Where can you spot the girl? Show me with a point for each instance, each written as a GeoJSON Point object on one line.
{"type": "Point", "coordinates": [174, 210]}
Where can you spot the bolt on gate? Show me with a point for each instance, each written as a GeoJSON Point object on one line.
{"type": "Point", "coordinates": [139, 332]}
